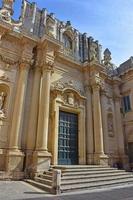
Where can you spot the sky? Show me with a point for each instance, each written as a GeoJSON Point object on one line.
{"type": "Point", "coordinates": [108, 21]}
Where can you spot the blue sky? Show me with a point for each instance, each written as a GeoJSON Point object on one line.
{"type": "Point", "coordinates": [109, 21]}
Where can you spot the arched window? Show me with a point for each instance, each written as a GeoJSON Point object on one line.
{"type": "Point", "coordinates": [67, 41]}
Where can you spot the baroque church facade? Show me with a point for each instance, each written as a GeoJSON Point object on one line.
{"type": "Point", "coordinates": [61, 101]}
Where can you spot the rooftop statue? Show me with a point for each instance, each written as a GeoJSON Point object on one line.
{"type": "Point", "coordinates": [7, 10]}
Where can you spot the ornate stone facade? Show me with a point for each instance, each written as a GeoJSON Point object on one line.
{"type": "Point", "coordinates": [47, 66]}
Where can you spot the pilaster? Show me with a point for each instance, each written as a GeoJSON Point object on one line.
{"type": "Point", "coordinates": [89, 124]}
{"type": "Point", "coordinates": [104, 120]}
{"type": "Point", "coordinates": [119, 127]}
{"type": "Point", "coordinates": [99, 157]}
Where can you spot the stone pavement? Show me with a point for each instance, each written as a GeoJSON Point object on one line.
{"type": "Point", "coordinates": [23, 191]}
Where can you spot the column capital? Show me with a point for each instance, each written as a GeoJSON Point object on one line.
{"type": "Point", "coordinates": [96, 82]}
{"type": "Point", "coordinates": [96, 87]}
{"type": "Point", "coordinates": [48, 66]}
{"type": "Point", "coordinates": [88, 87]}
{"type": "Point", "coordinates": [25, 63]}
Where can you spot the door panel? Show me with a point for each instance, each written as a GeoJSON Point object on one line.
{"type": "Point", "coordinates": [68, 139]}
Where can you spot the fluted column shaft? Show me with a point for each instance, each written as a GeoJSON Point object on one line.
{"type": "Point", "coordinates": [43, 119]}
{"type": "Point", "coordinates": [17, 120]}
{"type": "Point", "coordinates": [32, 128]}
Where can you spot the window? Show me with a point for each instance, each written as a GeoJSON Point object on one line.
{"type": "Point", "coordinates": [126, 103]}
{"type": "Point", "coordinates": [67, 41]}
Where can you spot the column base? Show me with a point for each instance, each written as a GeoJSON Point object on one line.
{"type": "Point", "coordinates": [101, 159]}
{"type": "Point", "coordinates": [41, 161]}
{"type": "Point", "coordinates": [14, 160]}
{"type": "Point", "coordinates": [90, 159]}
{"type": "Point", "coordinates": [29, 163]}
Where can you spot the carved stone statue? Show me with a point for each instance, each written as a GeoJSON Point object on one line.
{"type": "Point", "coordinates": [107, 57]}
{"type": "Point", "coordinates": [50, 26]}
{"type": "Point", "coordinates": [93, 50]}
{"type": "Point", "coordinates": [2, 102]}
{"type": "Point", "coordinates": [107, 61]}
{"type": "Point", "coordinates": [6, 11]}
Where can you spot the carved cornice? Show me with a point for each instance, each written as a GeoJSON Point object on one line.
{"type": "Point", "coordinates": [8, 60]}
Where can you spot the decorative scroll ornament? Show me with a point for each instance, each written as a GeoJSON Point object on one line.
{"type": "Point", "coordinates": [69, 85]}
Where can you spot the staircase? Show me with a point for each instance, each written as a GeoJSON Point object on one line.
{"type": "Point", "coordinates": [85, 177]}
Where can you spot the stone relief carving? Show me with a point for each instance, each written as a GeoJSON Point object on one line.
{"type": "Point", "coordinates": [110, 125]}
{"type": "Point", "coordinates": [2, 103]}
{"type": "Point", "coordinates": [71, 99]}
{"type": "Point", "coordinates": [4, 77]}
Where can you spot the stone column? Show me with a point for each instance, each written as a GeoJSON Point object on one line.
{"type": "Point", "coordinates": [42, 155]}
{"type": "Point", "coordinates": [105, 121]}
{"type": "Point", "coordinates": [100, 157]}
{"type": "Point", "coordinates": [32, 127]}
{"type": "Point", "coordinates": [15, 156]}
{"type": "Point", "coordinates": [89, 124]}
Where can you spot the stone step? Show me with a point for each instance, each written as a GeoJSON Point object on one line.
{"type": "Point", "coordinates": [102, 184]}
{"type": "Point", "coordinates": [45, 176]}
{"type": "Point", "coordinates": [40, 185]}
{"type": "Point", "coordinates": [78, 166]}
{"type": "Point", "coordinates": [44, 181]}
{"type": "Point", "coordinates": [91, 172]}
{"type": "Point", "coordinates": [93, 180]}
{"type": "Point", "coordinates": [93, 176]}
{"type": "Point", "coordinates": [88, 170]}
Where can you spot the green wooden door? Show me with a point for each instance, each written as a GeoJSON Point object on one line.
{"type": "Point", "coordinates": [68, 139]}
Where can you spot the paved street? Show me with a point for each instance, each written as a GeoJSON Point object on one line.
{"type": "Point", "coordinates": [21, 191]}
